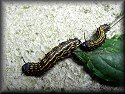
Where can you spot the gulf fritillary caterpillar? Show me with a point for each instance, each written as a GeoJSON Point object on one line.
{"type": "Point", "coordinates": [65, 49]}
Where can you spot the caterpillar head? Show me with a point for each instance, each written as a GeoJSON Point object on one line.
{"type": "Point", "coordinates": [105, 27]}
{"type": "Point", "coordinates": [25, 68]}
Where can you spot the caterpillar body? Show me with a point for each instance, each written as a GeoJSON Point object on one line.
{"type": "Point", "coordinates": [63, 50]}
{"type": "Point", "coordinates": [98, 41]}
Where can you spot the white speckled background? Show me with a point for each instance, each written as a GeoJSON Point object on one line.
{"type": "Point", "coordinates": [31, 29]}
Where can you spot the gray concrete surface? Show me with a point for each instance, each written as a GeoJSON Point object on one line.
{"type": "Point", "coordinates": [31, 29]}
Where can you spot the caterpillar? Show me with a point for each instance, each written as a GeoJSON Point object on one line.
{"type": "Point", "coordinates": [63, 50]}
{"type": "Point", "coordinates": [98, 41]}
{"type": "Point", "coordinates": [100, 36]}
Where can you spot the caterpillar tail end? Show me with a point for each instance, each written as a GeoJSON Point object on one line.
{"type": "Point", "coordinates": [25, 68]}
{"type": "Point", "coordinates": [28, 72]}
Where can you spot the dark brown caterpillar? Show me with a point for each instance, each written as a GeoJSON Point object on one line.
{"type": "Point", "coordinates": [97, 42]}
{"type": "Point", "coordinates": [63, 50]}
{"type": "Point", "coordinates": [100, 35]}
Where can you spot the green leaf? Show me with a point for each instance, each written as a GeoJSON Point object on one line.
{"type": "Point", "coordinates": [106, 61]}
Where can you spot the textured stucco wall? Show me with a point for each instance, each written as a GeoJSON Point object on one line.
{"type": "Point", "coordinates": [31, 29]}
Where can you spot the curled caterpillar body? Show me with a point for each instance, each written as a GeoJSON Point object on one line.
{"type": "Point", "coordinates": [97, 42]}
{"type": "Point", "coordinates": [63, 50]}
